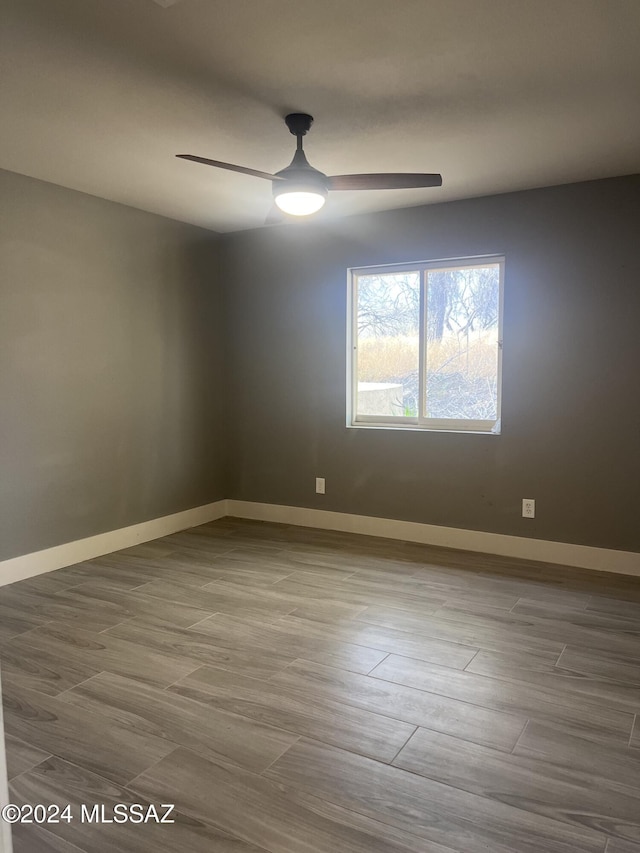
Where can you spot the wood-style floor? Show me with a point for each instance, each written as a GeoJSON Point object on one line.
{"type": "Point", "coordinates": [300, 691]}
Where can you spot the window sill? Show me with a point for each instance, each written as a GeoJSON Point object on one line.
{"type": "Point", "coordinates": [405, 427]}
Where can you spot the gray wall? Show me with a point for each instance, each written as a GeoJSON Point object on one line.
{"type": "Point", "coordinates": [571, 396]}
{"type": "Point", "coordinates": [111, 366]}
{"type": "Point", "coordinates": [147, 367]}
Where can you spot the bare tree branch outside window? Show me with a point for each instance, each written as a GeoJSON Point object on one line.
{"type": "Point", "coordinates": [461, 339]}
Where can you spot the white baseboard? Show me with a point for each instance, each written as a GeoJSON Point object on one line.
{"type": "Point", "coordinates": [543, 550]}
{"type": "Point", "coordinates": [19, 568]}
{"type": "Point", "coordinates": [562, 553]}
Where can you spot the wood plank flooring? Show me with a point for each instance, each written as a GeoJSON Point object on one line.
{"type": "Point", "coordinates": [303, 691]}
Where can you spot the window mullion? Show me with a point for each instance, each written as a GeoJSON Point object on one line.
{"type": "Point", "coordinates": [422, 347]}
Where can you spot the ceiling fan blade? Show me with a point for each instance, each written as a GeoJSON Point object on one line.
{"type": "Point", "coordinates": [385, 181]}
{"type": "Point", "coordinates": [218, 164]}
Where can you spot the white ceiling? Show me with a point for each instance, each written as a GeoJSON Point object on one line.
{"type": "Point", "coordinates": [497, 95]}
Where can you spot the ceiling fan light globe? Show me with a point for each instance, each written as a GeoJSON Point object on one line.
{"type": "Point", "coordinates": [300, 202]}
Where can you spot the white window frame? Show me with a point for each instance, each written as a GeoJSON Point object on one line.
{"type": "Point", "coordinates": [491, 427]}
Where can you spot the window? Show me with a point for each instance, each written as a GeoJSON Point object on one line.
{"type": "Point", "coordinates": [425, 345]}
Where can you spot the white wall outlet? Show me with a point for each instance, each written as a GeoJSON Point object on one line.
{"type": "Point", "coordinates": [319, 485]}
{"type": "Point", "coordinates": [528, 508]}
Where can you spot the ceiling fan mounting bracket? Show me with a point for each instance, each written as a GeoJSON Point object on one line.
{"type": "Point", "coordinates": [298, 123]}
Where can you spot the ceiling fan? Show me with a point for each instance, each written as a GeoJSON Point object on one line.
{"type": "Point", "coordinates": [300, 190]}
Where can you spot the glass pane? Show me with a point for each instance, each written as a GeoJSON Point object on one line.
{"type": "Point", "coordinates": [388, 332]}
{"type": "Point", "coordinates": [462, 343]}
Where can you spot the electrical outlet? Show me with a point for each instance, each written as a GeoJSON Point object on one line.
{"type": "Point", "coordinates": [528, 508]}
{"type": "Point", "coordinates": [320, 485]}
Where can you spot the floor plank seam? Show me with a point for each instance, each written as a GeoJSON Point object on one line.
{"type": "Point", "coordinates": [117, 625]}
{"type": "Point", "coordinates": [379, 662]}
{"type": "Point", "coordinates": [24, 772]}
{"type": "Point", "coordinates": [392, 762]}
{"type": "Point", "coordinates": [131, 781]}
{"type": "Point", "coordinates": [137, 588]}
{"type": "Point", "coordinates": [472, 660]}
{"type": "Point", "coordinates": [520, 736]}
{"type": "Point", "coordinates": [283, 753]}
{"type": "Point", "coordinates": [22, 633]}
{"type": "Point", "coordinates": [168, 687]}
{"type": "Point", "coordinates": [200, 621]}
{"type": "Point", "coordinates": [84, 681]}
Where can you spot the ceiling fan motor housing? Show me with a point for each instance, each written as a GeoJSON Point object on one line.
{"type": "Point", "coordinates": [301, 177]}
